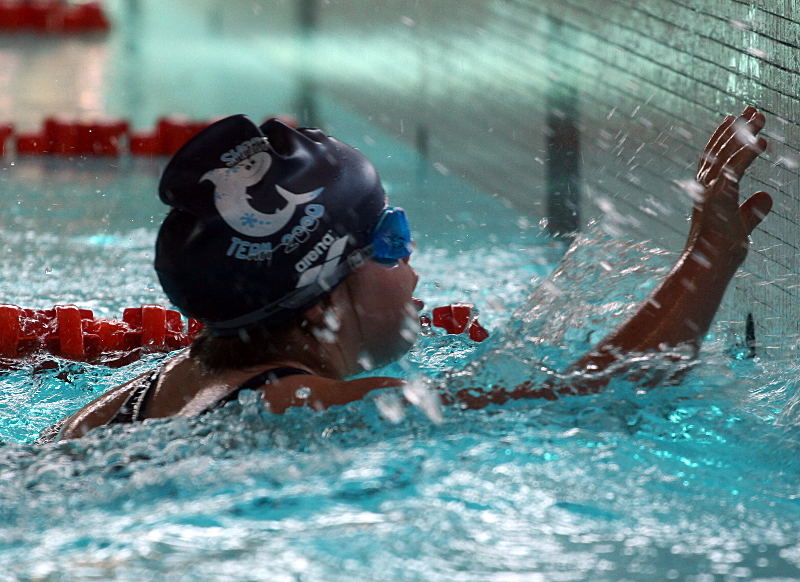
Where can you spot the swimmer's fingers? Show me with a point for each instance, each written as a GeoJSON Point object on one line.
{"type": "Point", "coordinates": [733, 163]}
{"type": "Point", "coordinates": [755, 209]}
{"type": "Point", "coordinates": [738, 163]}
{"type": "Point", "coordinates": [757, 120]}
{"type": "Point", "coordinates": [718, 133]}
{"type": "Point", "coordinates": [741, 132]}
{"type": "Point", "coordinates": [723, 193]}
{"type": "Point", "coordinates": [707, 158]}
{"type": "Point", "coordinates": [714, 150]}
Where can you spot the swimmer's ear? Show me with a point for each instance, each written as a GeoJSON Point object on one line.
{"type": "Point", "coordinates": [315, 315]}
{"type": "Point", "coordinates": [324, 314]}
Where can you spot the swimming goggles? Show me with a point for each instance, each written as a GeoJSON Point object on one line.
{"type": "Point", "coordinates": [391, 237]}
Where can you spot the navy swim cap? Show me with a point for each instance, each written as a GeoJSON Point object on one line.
{"type": "Point", "coordinates": [265, 220]}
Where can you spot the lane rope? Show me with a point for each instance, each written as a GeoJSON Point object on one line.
{"type": "Point", "coordinates": [73, 333]}
{"type": "Point", "coordinates": [105, 136]}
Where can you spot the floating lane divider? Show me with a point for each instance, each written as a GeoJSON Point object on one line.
{"type": "Point", "coordinates": [68, 136]}
{"type": "Point", "coordinates": [72, 333]}
{"type": "Point", "coordinates": [52, 16]}
{"type": "Point", "coordinates": [459, 318]}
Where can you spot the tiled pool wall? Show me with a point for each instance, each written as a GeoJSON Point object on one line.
{"type": "Point", "coordinates": [601, 104]}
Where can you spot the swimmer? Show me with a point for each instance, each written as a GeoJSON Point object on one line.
{"type": "Point", "coordinates": [296, 301]}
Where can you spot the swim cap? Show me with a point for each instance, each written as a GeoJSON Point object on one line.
{"type": "Point", "coordinates": [264, 221]}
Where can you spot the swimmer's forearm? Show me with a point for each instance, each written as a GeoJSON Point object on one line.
{"type": "Point", "coordinates": [679, 312]}
{"type": "Point", "coordinates": [681, 309]}
{"type": "Point", "coordinates": [322, 393]}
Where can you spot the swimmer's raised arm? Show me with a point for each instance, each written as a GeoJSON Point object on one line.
{"type": "Point", "coordinates": [680, 310]}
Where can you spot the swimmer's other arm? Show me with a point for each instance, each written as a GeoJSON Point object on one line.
{"type": "Point", "coordinates": [321, 393]}
{"type": "Point", "coordinates": [680, 310]}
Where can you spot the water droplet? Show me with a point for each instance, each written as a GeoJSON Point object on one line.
{"type": "Point", "coordinates": [390, 407]}
{"type": "Point", "coordinates": [365, 362]}
{"type": "Point", "coordinates": [331, 320]}
{"type": "Point", "coordinates": [692, 188]}
{"type": "Point", "coordinates": [324, 335]}
{"type": "Point", "coordinates": [421, 396]}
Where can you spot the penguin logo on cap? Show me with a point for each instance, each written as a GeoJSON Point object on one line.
{"type": "Point", "coordinates": [233, 202]}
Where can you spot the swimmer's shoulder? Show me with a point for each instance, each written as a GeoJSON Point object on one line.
{"type": "Point", "coordinates": [299, 389]}
{"type": "Point", "coordinates": [99, 412]}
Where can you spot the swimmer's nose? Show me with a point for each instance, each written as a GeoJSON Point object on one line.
{"type": "Point", "coordinates": [419, 304]}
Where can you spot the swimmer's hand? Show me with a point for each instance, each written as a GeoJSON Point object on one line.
{"type": "Point", "coordinates": [679, 311]}
{"type": "Point", "coordinates": [720, 226]}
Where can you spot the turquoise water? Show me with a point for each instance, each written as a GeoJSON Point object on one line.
{"type": "Point", "coordinates": [695, 481]}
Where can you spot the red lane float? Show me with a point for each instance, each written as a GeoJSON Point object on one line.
{"type": "Point", "coordinates": [170, 134]}
{"type": "Point", "coordinates": [72, 333]}
{"type": "Point", "coordinates": [106, 136]}
{"type": "Point", "coordinates": [99, 137]}
{"type": "Point", "coordinates": [144, 144]}
{"type": "Point", "coordinates": [172, 131]}
{"type": "Point", "coordinates": [52, 16]}
{"type": "Point", "coordinates": [458, 317]}
{"type": "Point", "coordinates": [68, 137]}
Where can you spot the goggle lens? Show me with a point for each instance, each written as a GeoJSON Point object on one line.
{"type": "Point", "coordinates": [391, 240]}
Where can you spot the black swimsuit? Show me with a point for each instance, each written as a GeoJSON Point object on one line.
{"type": "Point", "coordinates": [132, 410]}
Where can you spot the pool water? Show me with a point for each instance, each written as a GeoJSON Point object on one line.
{"type": "Point", "coordinates": [694, 481]}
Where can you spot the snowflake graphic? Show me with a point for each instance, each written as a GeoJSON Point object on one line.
{"type": "Point", "coordinates": [249, 219]}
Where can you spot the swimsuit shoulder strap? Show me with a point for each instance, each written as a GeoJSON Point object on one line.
{"type": "Point", "coordinates": [132, 409]}
{"type": "Point", "coordinates": [261, 379]}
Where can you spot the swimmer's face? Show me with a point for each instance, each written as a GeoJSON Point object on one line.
{"type": "Point", "coordinates": [386, 312]}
